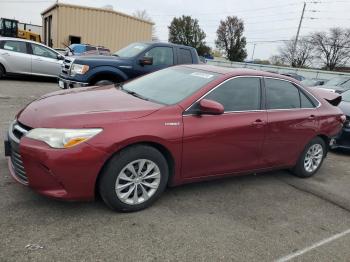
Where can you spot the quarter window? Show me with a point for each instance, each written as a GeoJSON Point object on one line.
{"type": "Point", "coordinates": [240, 94]}
{"type": "Point", "coordinates": [161, 56]}
{"type": "Point", "coordinates": [15, 46]}
{"type": "Point", "coordinates": [281, 94]}
{"type": "Point", "coordinates": [305, 101]}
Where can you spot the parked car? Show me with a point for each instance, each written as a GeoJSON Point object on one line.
{"type": "Point", "coordinates": [313, 82]}
{"type": "Point", "coordinates": [337, 84]}
{"type": "Point", "coordinates": [132, 61]}
{"type": "Point", "coordinates": [25, 57]}
{"type": "Point", "coordinates": [174, 126]}
{"type": "Point", "coordinates": [295, 76]}
{"type": "Point", "coordinates": [343, 139]}
{"type": "Point", "coordinates": [86, 49]}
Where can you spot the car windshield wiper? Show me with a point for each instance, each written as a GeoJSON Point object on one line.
{"type": "Point", "coordinates": [131, 92]}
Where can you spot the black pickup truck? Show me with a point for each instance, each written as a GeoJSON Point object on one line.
{"type": "Point", "coordinates": [132, 61]}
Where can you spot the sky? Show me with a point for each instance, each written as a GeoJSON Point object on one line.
{"type": "Point", "coordinates": [266, 21]}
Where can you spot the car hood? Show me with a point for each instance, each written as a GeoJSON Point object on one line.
{"type": "Point", "coordinates": [84, 107]}
{"type": "Point", "coordinates": [98, 58]}
{"type": "Point", "coordinates": [345, 107]}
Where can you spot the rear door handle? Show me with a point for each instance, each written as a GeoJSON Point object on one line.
{"type": "Point", "coordinates": [258, 123]}
{"type": "Point", "coordinates": [7, 54]}
{"type": "Point", "coordinates": [312, 117]}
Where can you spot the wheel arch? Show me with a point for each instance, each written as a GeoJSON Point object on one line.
{"type": "Point", "coordinates": [161, 148]}
{"type": "Point", "coordinates": [107, 73]}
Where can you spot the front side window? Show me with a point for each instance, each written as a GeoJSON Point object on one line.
{"type": "Point", "coordinates": [161, 55]}
{"type": "Point", "coordinates": [239, 94]}
{"type": "Point", "coordinates": [281, 94]}
{"type": "Point", "coordinates": [43, 51]}
{"type": "Point", "coordinates": [15, 46]}
{"type": "Point", "coordinates": [169, 86]}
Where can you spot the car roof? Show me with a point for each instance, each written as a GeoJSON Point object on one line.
{"type": "Point", "coordinates": [230, 72]}
{"type": "Point", "coordinates": [165, 43]}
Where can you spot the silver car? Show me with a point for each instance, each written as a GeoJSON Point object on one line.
{"type": "Point", "coordinates": [20, 56]}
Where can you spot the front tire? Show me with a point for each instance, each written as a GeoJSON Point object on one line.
{"type": "Point", "coordinates": [311, 158]}
{"type": "Point", "coordinates": [2, 71]}
{"type": "Point", "coordinates": [104, 83]}
{"type": "Point", "coordinates": [134, 178]}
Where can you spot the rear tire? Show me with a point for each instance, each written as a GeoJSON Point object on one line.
{"type": "Point", "coordinates": [134, 178]}
{"type": "Point", "coordinates": [311, 158]}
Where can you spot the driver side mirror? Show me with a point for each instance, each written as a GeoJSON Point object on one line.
{"type": "Point", "coordinates": [146, 61]}
{"type": "Point", "coordinates": [210, 107]}
{"type": "Point", "coordinates": [60, 57]}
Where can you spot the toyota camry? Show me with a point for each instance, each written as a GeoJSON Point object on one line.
{"type": "Point", "coordinates": [182, 124]}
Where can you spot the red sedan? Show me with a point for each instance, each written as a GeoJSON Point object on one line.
{"type": "Point", "coordinates": [174, 126]}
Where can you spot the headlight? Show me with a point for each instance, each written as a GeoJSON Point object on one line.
{"type": "Point", "coordinates": [62, 138]}
{"type": "Point", "coordinates": [78, 69]}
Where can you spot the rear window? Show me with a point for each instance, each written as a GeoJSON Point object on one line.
{"type": "Point", "coordinates": [185, 56]}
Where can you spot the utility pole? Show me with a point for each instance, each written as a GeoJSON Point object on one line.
{"type": "Point", "coordinates": [297, 36]}
{"type": "Point", "coordinates": [253, 52]}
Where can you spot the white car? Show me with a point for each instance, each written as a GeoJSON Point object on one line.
{"type": "Point", "coordinates": [24, 57]}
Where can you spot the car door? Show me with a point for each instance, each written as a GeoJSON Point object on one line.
{"type": "Point", "coordinates": [227, 143]}
{"type": "Point", "coordinates": [45, 62]}
{"type": "Point", "coordinates": [163, 56]}
{"type": "Point", "coordinates": [292, 121]}
{"type": "Point", "coordinates": [15, 56]}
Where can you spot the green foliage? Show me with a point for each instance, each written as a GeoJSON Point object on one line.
{"type": "Point", "coordinates": [186, 31]}
{"type": "Point", "coordinates": [230, 38]}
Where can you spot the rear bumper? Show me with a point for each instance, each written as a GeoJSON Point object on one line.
{"type": "Point", "coordinates": [342, 140]}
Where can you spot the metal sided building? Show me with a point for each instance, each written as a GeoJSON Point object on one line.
{"type": "Point", "coordinates": [65, 24]}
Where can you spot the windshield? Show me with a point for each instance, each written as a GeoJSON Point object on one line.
{"type": "Point", "coordinates": [131, 50]}
{"type": "Point", "coordinates": [170, 86]}
{"type": "Point", "coordinates": [346, 96]}
{"type": "Point", "coordinates": [337, 81]}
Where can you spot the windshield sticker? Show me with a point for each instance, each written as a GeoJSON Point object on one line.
{"type": "Point", "coordinates": [202, 75]}
{"type": "Point", "coordinates": [139, 47]}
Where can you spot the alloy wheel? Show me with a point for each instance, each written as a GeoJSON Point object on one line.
{"type": "Point", "coordinates": [137, 182]}
{"type": "Point", "coordinates": [313, 158]}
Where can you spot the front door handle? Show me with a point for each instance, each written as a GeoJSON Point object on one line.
{"type": "Point", "coordinates": [311, 117]}
{"type": "Point", "coordinates": [7, 54]}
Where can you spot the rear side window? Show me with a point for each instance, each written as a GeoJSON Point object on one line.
{"type": "Point", "coordinates": [90, 48]}
{"type": "Point", "coordinates": [185, 56]}
{"type": "Point", "coordinates": [239, 94]}
{"type": "Point", "coordinates": [281, 94]}
{"type": "Point", "coordinates": [14, 46]}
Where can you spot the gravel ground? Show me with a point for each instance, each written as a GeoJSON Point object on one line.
{"type": "Point", "coordinates": [253, 218]}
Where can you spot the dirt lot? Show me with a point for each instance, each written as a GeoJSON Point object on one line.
{"type": "Point", "coordinates": [253, 218]}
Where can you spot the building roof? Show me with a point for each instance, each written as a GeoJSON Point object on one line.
{"type": "Point", "coordinates": [56, 5]}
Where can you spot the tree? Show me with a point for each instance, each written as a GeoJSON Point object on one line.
{"type": "Point", "coordinates": [230, 38]}
{"type": "Point", "coordinates": [302, 55]}
{"type": "Point", "coordinates": [186, 31]}
{"type": "Point", "coordinates": [277, 60]}
{"type": "Point", "coordinates": [142, 14]}
{"type": "Point", "coordinates": [332, 48]}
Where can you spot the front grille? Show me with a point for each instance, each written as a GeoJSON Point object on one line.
{"type": "Point", "coordinates": [67, 63]}
{"type": "Point", "coordinates": [17, 164]}
{"type": "Point", "coordinates": [17, 131]}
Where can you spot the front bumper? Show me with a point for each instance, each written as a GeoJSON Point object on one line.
{"type": "Point", "coordinates": [67, 84]}
{"type": "Point", "coordinates": [68, 174]}
{"type": "Point", "coordinates": [342, 140]}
